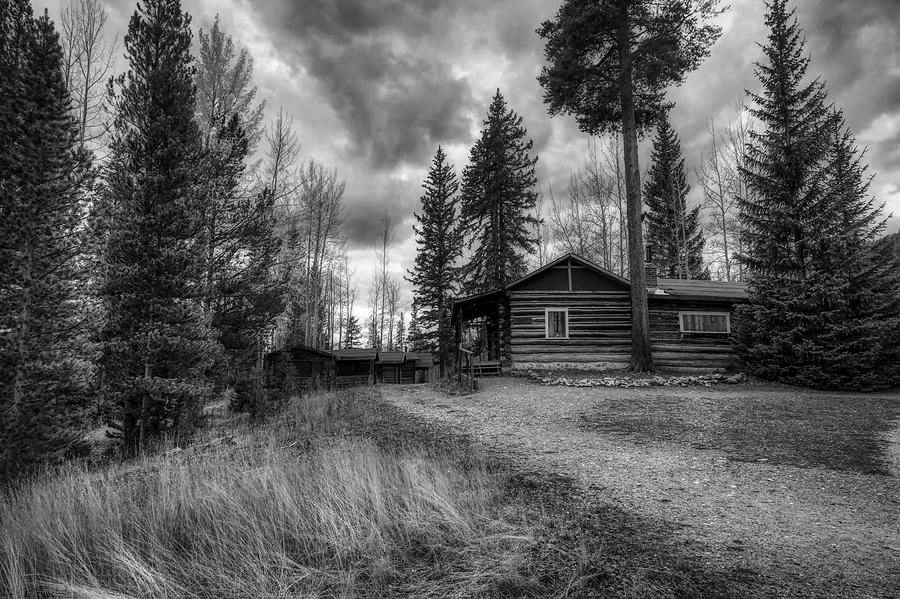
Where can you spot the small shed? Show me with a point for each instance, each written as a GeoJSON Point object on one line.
{"type": "Point", "coordinates": [389, 366]}
{"type": "Point", "coordinates": [354, 367]}
{"type": "Point", "coordinates": [422, 366]}
{"type": "Point", "coordinates": [298, 369]}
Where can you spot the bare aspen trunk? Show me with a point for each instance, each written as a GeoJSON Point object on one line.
{"type": "Point", "coordinates": [641, 357]}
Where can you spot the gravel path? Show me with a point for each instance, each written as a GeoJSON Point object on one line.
{"type": "Point", "coordinates": [837, 529]}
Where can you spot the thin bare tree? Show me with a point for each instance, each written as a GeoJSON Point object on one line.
{"type": "Point", "coordinates": [720, 178]}
{"type": "Point", "coordinates": [88, 60]}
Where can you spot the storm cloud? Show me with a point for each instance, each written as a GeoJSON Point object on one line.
{"type": "Point", "coordinates": [372, 59]}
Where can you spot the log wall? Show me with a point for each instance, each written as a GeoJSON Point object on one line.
{"type": "Point", "coordinates": [600, 332]}
{"type": "Point", "coordinates": [675, 350]}
{"type": "Point", "coordinates": [599, 329]}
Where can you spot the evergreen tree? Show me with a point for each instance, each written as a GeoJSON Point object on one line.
{"type": "Point", "coordinates": [44, 366]}
{"type": "Point", "coordinates": [353, 334]}
{"type": "Point", "coordinates": [439, 242]}
{"type": "Point", "coordinates": [822, 308]}
{"type": "Point", "coordinates": [158, 343]}
{"type": "Point", "coordinates": [673, 231]}
{"type": "Point", "coordinates": [241, 295]}
{"type": "Point", "coordinates": [609, 63]}
{"type": "Point", "coordinates": [413, 335]}
{"type": "Point", "coordinates": [498, 200]}
{"type": "Point", "coordinates": [400, 333]}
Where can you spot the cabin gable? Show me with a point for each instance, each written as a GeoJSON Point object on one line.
{"type": "Point", "coordinates": [570, 273]}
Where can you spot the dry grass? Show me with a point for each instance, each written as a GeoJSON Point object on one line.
{"type": "Point", "coordinates": [255, 519]}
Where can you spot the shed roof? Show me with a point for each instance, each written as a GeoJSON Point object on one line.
{"type": "Point", "coordinates": [423, 359]}
{"type": "Point", "coordinates": [355, 354]}
{"type": "Point", "coordinates": [707, 290]}
{"type": "Point", "coordinates": [300, 346]}
{"type": "Point", "coordinates": [391, 357]}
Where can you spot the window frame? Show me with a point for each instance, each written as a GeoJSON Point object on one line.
{"type": "Point", "coordinates": [547, 312]}
{"type": "Point", "coordinates": [726, 313]}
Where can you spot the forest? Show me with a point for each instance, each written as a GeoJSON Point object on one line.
{"type": "Point", "coordinates": [160, 235]}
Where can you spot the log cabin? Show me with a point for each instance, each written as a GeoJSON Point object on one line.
{"type": "Point", "coordinates": [300, 368]}
{"type": "Point", "coordinates": [572, 313]}
{"type": "Point", "coordinates": [353, 367]}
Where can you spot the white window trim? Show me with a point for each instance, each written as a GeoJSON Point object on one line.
{"type": "Point", "coordinates": [727, 316]}
{"type": "Point", "coordinates": [547, 312]}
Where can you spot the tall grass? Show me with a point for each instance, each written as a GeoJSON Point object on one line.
{"type": "Point", "coordinates": [258, 520]}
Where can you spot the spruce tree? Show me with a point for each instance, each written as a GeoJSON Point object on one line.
{"type": "Point", "coordinates": [158, 343]}
{"type": "Point", "coordinates": [673, 231]}
{"type": "Point", "coordinates": [44, 354]}
{"type": "Point", "coordinates": [498, 199]}
{"type": "Point", "coordinates": [400, 333]}
{"type": "Point", "coordinates": [413, 335]}
{"type": "Point", "coordinates": [439, 245]}
{"type": "Point", "coordinates": [241, 295]}
{"type": "Point", "coordinates": [822, 311]}
{"type": "Point", "coordinates": [353, 334]}
{"type": "Point", "coordinates": [862, 350]}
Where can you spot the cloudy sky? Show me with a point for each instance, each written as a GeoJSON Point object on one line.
{"type": "Point", "coordinates": [375, 85]}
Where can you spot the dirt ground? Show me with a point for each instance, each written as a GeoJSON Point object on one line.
{"type": "Point", "coordinates": [799, 487]}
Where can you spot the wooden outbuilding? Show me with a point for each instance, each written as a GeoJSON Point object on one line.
{"type": "Point", "coordinates": [389, 366]}
{"type": "Point", "coordinates": [422, 365]}
{"type": "Point", "coordinates": [354, 367]}
{"type": "Point", "coordinates": [301, 368]}
{"type": "Point", "coordinates": [573, 313]}
{"type": "Point", "coordinates": [298, 369]}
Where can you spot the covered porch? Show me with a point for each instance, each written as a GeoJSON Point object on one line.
{"type": "Point", "coordinates": [481, 327]}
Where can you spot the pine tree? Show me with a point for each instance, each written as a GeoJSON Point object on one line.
{"type": "Point", "coordinates": [400, 333]}
{"type": "Point", "coordinates": [498, 200]}
{"type": "Point", "coordinates": [353, 335]}
{"type": "Point", "coordinates": [241, 294]}
{"type": "Point", "coordinates": [822, 310]}
{"type": "Point", "coordinates": [609, 63]}
{"type": "Point", "coordinates": [673, 231]}
{"type": "Point", "coordinates": [413, 334]}
{"type": "Point", "coordinates": [157, 342]}
{"type": "Point", "coordinates": [439, 241]}
{"type": "Point", "coordinates": [863, 350]}
{"type": "Point", "coordinates": [44, 355]}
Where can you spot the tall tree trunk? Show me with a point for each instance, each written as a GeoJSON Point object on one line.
{"type": "Point", "coordinates": [18, 396]}
{"type": "Point", "coordinates": [641, 357]}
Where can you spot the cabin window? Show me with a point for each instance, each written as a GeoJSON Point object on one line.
{"type": "Point", "coordinates": [705, 322]}
{"type": "Point", "coordinates": [557, 323]}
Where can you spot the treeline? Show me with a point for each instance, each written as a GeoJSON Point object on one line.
{"type": "Point", "coordinates": [156, 235]}
{"type": "Point", "coordinates": [786, 205]}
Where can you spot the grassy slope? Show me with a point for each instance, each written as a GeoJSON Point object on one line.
{"type": "Point", "coordinates": [334, 515]}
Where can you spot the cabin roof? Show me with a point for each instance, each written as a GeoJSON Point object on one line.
{"type": "Point", "coordinates": [300, 346]}
{"type": "Point", "coordinates": [355, 354]}
{"type": "Point", "coordinates": [420, 358]}
{"type": "Point", "coordinates": [575, 258]}
{"type": "Point", "coordinates": [705, 290]}
{"type": "Point", "coordinates": [391, 357]}
{"type": "Point", "coordinates": [481, 304]}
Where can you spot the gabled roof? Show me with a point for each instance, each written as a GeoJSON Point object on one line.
{"type": "Point", "coordinates": [705, 290]}
{"type": "Point", "coordinates": [667, 288]}
{"type": "Point", "coordinates": [355, 354]}
{"type": "Point", "coordinates": [574, 258]}
{"type": "Point", "coordinates": [489, 296]}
